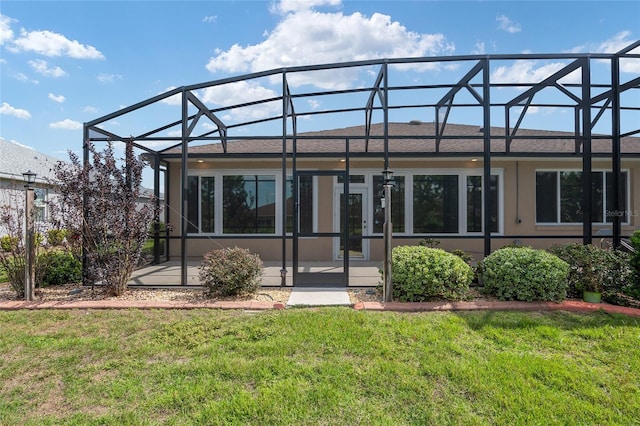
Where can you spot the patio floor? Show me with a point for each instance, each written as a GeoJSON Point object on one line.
{"type": "Point", "coordinates": [361, 274]}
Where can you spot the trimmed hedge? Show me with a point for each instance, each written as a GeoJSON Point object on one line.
{"type": "Point", "coordinates": [526, 274]}
{"type": "Point", "coordinates": [422, 273]}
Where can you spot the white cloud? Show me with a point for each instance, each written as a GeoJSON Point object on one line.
{"type": "Point", "coordinates": [21, 77]}
{"type": "Point", "coordinates": [506, 24]}
{"type": "Point", "coordinates": [530, 110]}
{"type": "Point", "coordinates": [58, 98]}
{"type": "Point", "coordinates": [174, 133]}
{"type": "Point", "coordinates": [613, 45]}
{"type": "Point", "coordinates": [526, 71]}
{"type": "Point", "coordinates": [51, 44]}
{"type": "Point", "coordinates": [16, 143]}
{"type": "Point", "coordinates": [478, 48]}
{"type": "Point", "coordinates": [616, 43]}
{"type": "Point", "coordinates": [242, 92]}
{"type": "Point", "coordinates": [172, 100]}
{"type": "Point", "coordinates": [285, 6]}
{"type": "Point", "coordinates": [309, 37]}
{"type": "Point", "coordinates": [208, 126]}
{"type": "Point", "coordinates": [212, 19]}
{"type": "Point", "coordinates": [7, 109]}
{"type": "Point", "coordinates": [42, 67]}
{"type": "Point", "coordinates": [90, 110]}
{"type": "Point", "coordinates": [66, 124]}
{"type": "Point", "coordinates": [108, 78]}
{"type": "Point", "coordinates": [313, 104]}
{"type": "Point", "coordinates": [6, 33]}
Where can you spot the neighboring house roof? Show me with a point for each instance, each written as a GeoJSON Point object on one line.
{"type": "Point", "coordinates": [419, 137]}
{"type": "Point", "coordinates": [16, 159]}
{"type": "Point", "coordinates": [148, 193]}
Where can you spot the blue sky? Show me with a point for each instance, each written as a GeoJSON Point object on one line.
{"type": "Point", "coordinates": [69, 62]}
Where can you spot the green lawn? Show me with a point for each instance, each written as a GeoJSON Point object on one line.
{"type": "Point", "coordinates": [321, 366]}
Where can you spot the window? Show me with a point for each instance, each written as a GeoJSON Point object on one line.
{"type": "Point", "coordinates": [352, 179]}
{"type": "Point", "coordinates": [474, 204]}
{"type": "Point", "coordinates": [397, 204]}
{"type": "Point", "coordinates": [435, 203]}
{"type": "Point", "coordinates": [546, 197]}
{"type": "Point", "coordinates": [305, 204]}
{"type": "Point", "coordinates": [249, 204]}
{"type": "Point", "coordinates": [201, 204]}
{"type": "Point", "coordinates": [193, 212]}
{"type": "Point", "coordinates": [559, 196]}
{"type": "Point", "coordinates": [610, 211]}
{"type": "Point", "coordinates": [40, 204]}
{"type": "Point", "coordinates": [207, 204]}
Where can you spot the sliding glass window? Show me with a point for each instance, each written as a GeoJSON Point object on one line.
{"type": "Point", "coordinates": [559, 197]}
{"type": "Point", "coordinates": [474, 204]}
{"type": "Point", "coordinates": [397, 204]}
{"type": "Point", "coordinates": [435, 204]}
{"type": "Point", "coordinates": [201, 204]}
{"type": "Point", "coordinates": [305, 204]}
{"type": "Point", "coordinates": [249, 204]}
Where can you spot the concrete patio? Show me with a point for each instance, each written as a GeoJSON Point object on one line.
{"type": "Point", "coordinates": [361, 274]}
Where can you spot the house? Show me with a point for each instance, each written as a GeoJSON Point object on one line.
{"type": "Point", "coordinates": [535, 188]}
{"type": "Point", "coordinates": [17, 159]}
{"type": "Point", "coordinates": [245, 173]}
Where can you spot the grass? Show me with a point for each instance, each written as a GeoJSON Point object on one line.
{"type": "Point", "coordinates": [322, 366]}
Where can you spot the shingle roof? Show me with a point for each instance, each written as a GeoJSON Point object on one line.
{"type": "Point", "coordinates": [16, 159]}
{"type": "Point", "coordinates": [418, 137]}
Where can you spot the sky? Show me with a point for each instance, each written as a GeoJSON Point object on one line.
{"type": "Point", "coordinates": [64, 63]}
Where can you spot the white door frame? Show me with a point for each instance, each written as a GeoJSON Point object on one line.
{"type": "Point", "coordinates": [365, 221]}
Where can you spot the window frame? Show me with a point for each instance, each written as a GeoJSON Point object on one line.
{"type": "Point", "coordinates": [41, 203]}
{"type": "Point", "coordinates": [314, 201]}
{"type": "Point", "coordinates": [462, 198]}
{"type": "Point", "coordinates": [604, 172]}
{"type": "Point", "coordinates": [408, 175]}
{"type": "Point", "coordinates": [219, 202]}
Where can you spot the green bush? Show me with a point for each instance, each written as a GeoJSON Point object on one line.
{"type": "Point", "coordinates": [635, 257]}
{"type": "Point", "coordinates": [230, 272]}
{"type": "Point", "coordinates": [60, 267]}
{"type": "Point", "coordinates": [525, 274]}
{"type": "Point", "coordinates": [55, 237]}
{"type": "Point", "coordinates": [8, 243]}
{"type": "Point", "coordinates": [421, 273]}
{"type": "Point", "coordinates": [466, 257]}
{"type": "Point", "coordinates": [593, 268]}
{"type": "Point", "coordinates": [14, 268]}
{"type": "Point", "coordinates": [429, 242]}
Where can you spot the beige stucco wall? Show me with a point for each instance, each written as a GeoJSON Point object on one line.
{"type": "Point", "coordinates": [518, 203]}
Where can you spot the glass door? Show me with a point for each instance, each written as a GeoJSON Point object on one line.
{"type": "Point", "coordinates": [316, 234]}
{"type": "Point", "coordinates": [352, 217]}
